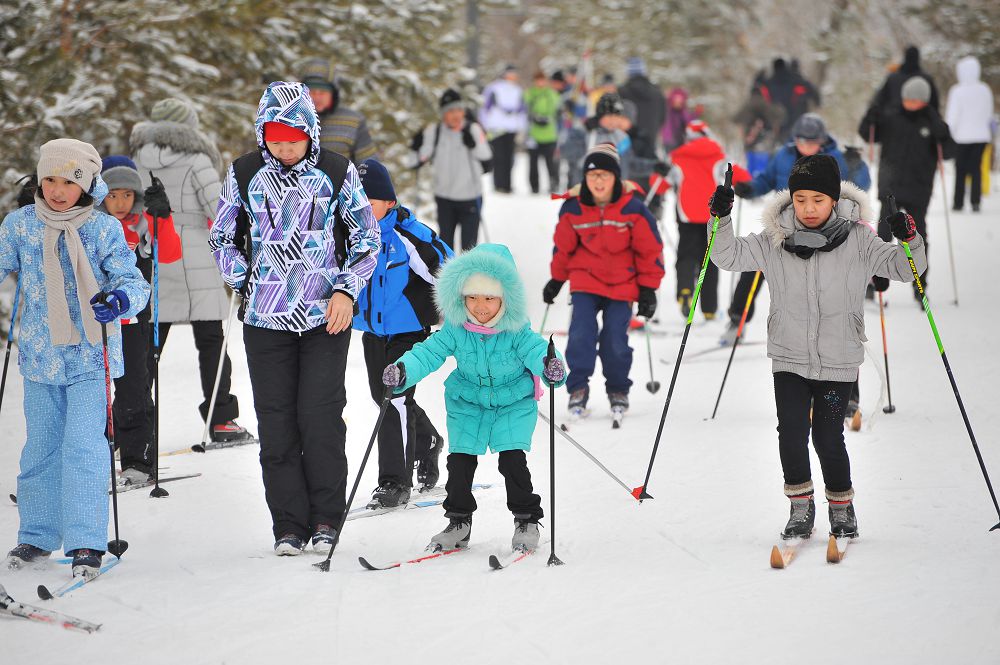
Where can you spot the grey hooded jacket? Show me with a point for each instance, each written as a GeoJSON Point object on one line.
{"type": "Point", "coordinates": [816, 324]}
{"type": "Point", "coordinates": [187, 163]}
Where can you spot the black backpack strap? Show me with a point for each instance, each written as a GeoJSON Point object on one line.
{"type": "Point", "coordinates": [335, 167]}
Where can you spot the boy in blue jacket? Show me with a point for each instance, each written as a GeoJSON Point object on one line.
{"type": "Point", "coordinates": [395, 311]}
{"type": "Point", "coordinates": [491, 396]}
{"type": "Point", "coordinates": [68, 256]}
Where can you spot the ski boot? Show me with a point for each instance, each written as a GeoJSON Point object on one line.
{"type": "Point", "coordinates": [25, 554]}
{"type": "Point", "coordinates": [843, 521]}
{"type": "Point", "coordinates": [619, 405]}
{"type": "Point", "coordinates": [455, 535]}
{"type": "Point", "coordinates": [324, 537]}
{"type": "Point", "coordinates": [389, 495]}
{"type": "Point", "coordinates": [578, 403]}
{"type": "Point", "coordinates": [86, 563]}
{"type": "Point", "coordinates": [728, 338]}
{"type": "Point", "coordinates": [289, 545]}
{"type": "Point", "coordinates": [709, 316]}
{"type": "Point", "coordinates": [684, 300]}
{"type": "Point", "coordinates": [525, 534]}
{"type": "Point", "coordinates": [801, 519]}
{"type": "Point", "coordinates": [229, 432]}
{"type": "Point", "coordinates": [852, 416]}
{"type": "Point", "coordinates": [427, 468]}
{"type": "Point", "coordinates": [132, 477]}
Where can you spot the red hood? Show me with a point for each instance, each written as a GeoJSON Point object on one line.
{"type": "Point", "coordinates": [700, 148]}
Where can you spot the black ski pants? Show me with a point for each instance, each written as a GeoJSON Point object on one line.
{"type": "Point", "coordinates": [547, 152]}
{"type": "Point", "coordinates": [968, 163]}
{"type": "Point", "coordinates": [454, 214]}
{"type": "Point", "coordinates": [794, 396]}
{"type": "Point", "coordinates": [917, 210]}
{"type": "Point", "coordinates": [208, 338]}
{"type": "Point", "coordinates": [406, 432]}
{"type": "Point", "coordinates": [299, 396]}
{"type": "Point", "coordinates": [133, 405]}
{"type": "Point", "coordinates": [503, 160]}
{"type": "Point", "coordinates": [691, 245]}
{"type": "Point", "coordinates": [521, 499]}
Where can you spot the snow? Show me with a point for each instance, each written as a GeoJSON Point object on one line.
{"type": "Point", "coordinates": [682, 578]}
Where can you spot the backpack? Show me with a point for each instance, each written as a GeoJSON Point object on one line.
{"type": "Point", "coordinates": [246, 167]}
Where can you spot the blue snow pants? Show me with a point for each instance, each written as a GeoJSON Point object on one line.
{"type": "Point", "coordinates": [62, 490]}
{"type": "Point", "coordinates": [586, 343]}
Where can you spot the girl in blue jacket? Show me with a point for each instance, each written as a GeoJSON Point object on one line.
{"type": "Point", "coordinates": [491, 396]}
{"type": "Point", "coordinates": [67, 254]}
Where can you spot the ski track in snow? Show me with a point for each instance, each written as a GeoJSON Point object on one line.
{"type": "Point", "coordinates": [683, 578]}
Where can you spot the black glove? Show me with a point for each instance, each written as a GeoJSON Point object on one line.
{"type": "Point", "coordinates": [661, 168]}
{"type": "Point", "coordinates": [156, 201]}
{"type": "Point", "coordinates": [26, 196]}
{"type": "Point", "coordinates": [721, 203]}
{"type": "Point", "coordinates": [551, 290]}
{"type": "Point", "coordinates": [880, 283]}
{"type": "Point", "coordinates": [743, 190]}
{"type": "Point", "coordinates": [647, 302]}
{"type": "Point", "coordinates": [902, 225]}
{"type": "Point", "coordinates": [467, 138]}
{"type": "Point", "coordinates": [418, 141]}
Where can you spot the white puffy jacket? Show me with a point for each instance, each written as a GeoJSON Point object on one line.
{"type": "Point", "coordinates": [970, 105]}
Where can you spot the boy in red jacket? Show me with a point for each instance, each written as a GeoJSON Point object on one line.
{"type": "Point", "coordinates": [698, 167]}
{"type": "Point", "coordinates": [608, 247]}
{"type": "Point", "coordinates": [133, 406]}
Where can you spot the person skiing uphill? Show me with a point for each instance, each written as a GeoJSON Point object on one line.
{"type": "Point", "coordinates": [818, 256]}
{"type": "Point", "coordinates": [491, 396]}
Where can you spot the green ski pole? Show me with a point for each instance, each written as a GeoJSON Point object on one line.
{"type": "Point", "coordinates": [947, 365]}
{"type": "Point", "coordinates": [640, 492]}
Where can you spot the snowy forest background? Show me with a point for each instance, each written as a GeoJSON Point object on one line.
{"type": "Point", "coordinates": [91, 69]}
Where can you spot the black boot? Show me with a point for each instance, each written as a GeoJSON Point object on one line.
{"type": "Point", "coordinates": [801, 519]}
{"type": "Point", "coordinates": [427, 468]}
{"type": "Point", "coordinates": [843, 521]}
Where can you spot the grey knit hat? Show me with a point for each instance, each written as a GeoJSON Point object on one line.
{"type": "Point", "coordinates": [120, 172]}
{"type": "Point", "coordinates": [71, 159]}
{"type": "Point", "coordinates": [176, 110]}
{"type": "Point", "coordinates": [916, 87]}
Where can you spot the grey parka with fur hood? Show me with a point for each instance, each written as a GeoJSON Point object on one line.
{"type": "Point", "coordinates": [816, 325]}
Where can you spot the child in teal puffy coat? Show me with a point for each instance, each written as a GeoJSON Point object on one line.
{"type": "Point", "coordinates": [491, 397]}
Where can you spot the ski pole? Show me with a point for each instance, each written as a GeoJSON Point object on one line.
{"type": "Point", "coordinates": [947, 366]}
{"type": "Point", "coordinates": [885, 354]}
{"type": "Point", "coordinates": [652, 385]}
{"type": "Point", "coordinates": [387, 397]}
{"type": "Point", "coordinates": [157, 492]}
{"type": "Point", "coordinates": [541, 328]}
{"type": "Point", "coordinates": [10, 338]}
{"type": "Point", "coordinates": [947, 223]}
{"type": "Point", "coordinates": [641, 492]}
{"type": "Point", "coordinates": [202, 447]}
{"type": "Point", "coordinates": [116, 546]}
{"type": "Point", "coordinates": [586, 453]}
{"type": "Point", "coordinates": [736, 342]}
{"type": "Point", "coordinates": [553, 559]}
{"type": "Point", "coordinates": [652, 188]}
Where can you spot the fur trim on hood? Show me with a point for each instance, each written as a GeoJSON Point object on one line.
{"type": "Point", "coordinates": [179, 138]}
{"type": "Point", "coordinates": [779, 215]}
{"type": "Point", "coordinates": [494, 261]}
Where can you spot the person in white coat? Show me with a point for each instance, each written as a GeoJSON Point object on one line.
{"type": "Point", "coordinates": [503, 116]}
{"type": "Point", "coordinates": [969, 114]}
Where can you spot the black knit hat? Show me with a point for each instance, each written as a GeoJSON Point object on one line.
{"type": "Point", "coordinates": [819, 173]}
{"type": "Point", "coordinates": [450, 99]}
{"type": "Point", "coordinates": [603, 156]}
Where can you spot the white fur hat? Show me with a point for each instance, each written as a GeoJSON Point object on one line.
{"type": "Point", "coordinates": [480, 284]}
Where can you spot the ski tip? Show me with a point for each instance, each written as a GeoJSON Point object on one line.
{"type": "Point", "coordinates": [364, 564]}
{"type": "Point", "coordinates": [563, 427]}
{"type": "Point", "coordinates": [777, 561]}
{"type": "Point", "coordinates": [13, 498]}
{"type": "Point", "coordinates": [832, 553]}
{"type": "Point", "coordinates": [495, 562]}
{"type": "Point", "coordinates": [997, 527]}
{"type": "Point", "coordinates": [44, 593]}
{"type": "Point", "coordinates": [616, 424]}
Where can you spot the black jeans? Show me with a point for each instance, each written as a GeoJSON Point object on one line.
{"type": "Point", "coordinates": [691, 245]}
{"type": "Point", "coordinates": [454, 214]}
{"type": "Point", "coordinates": [521, 499]}
{"type": "Point", "coordinates": [741, 294]}
{"type": "Point", "coordinates": [208, 340]}
{"type": "Point", "coordinates": [794, 396]}
{"type": "Point", "coordinates": [133, 405]}
{"type": "Point", "coordinates": [546, 151]}
{"type": "Point", "coordinates": [299, 396]}
{"type": "Point", "coordinates": [917, 210]}
{"type": "Point", "coordinates": [503, 160]}
{"type": "Point", "coordinates": [406, 430]}
{"type": "Point", "coordinates": [969, 162]}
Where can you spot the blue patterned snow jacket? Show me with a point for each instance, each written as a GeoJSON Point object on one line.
{"type": "Point", "coordinates": [490, 397]}
{"type": "Point", "coordinates": [114, 267]}
{"type": "Point", "coordinates": [399, 297]}
{"type": "Point", "coordinates": [291, 210]}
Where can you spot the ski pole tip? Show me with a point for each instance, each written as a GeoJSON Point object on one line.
{"type": "Point", "coordinates": [640, 493]}
{"type": "Point", "coordinates": [997, 527]}
{"type": "Point", "coordinates": [323, 565]}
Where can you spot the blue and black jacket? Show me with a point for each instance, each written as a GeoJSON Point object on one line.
{"type": "Point", "coordinates": [399, 297]}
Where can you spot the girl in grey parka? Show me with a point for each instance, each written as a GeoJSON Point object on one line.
{"type": "Point", "coordinates": [818, 254]}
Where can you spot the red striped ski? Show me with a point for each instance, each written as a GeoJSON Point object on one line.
{"type": "Point", "coordinates": [426, 557]}
{"type": "Point", "coordinates": [518, 555]}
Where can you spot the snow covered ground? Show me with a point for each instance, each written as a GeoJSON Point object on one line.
{"type": "Point", "coordinates": [683, 578]}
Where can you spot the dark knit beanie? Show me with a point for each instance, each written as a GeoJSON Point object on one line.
{"type": "Point", "coordinates": [450, 99]}
{"type": "Point", "coordinates": [603, 156]}
{"type": "Point", "coordinates": [376, 181]}
{"type": "Point", "coordinates": [819, 173]}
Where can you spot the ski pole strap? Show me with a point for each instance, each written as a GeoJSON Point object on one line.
{"type": "Point", "coordinates": [923, 297]}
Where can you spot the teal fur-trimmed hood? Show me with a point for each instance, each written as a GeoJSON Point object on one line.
{"type": "Point", "coordinates": [495, 261]}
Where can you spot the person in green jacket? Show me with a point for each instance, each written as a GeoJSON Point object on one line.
{"type": "Point", "coordinates": [491, 397]}
{"type": "Point", "coordinates": [542, 102]}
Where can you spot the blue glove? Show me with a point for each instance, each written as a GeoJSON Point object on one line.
{"type": "Point", "coordinates": [114, 305]}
